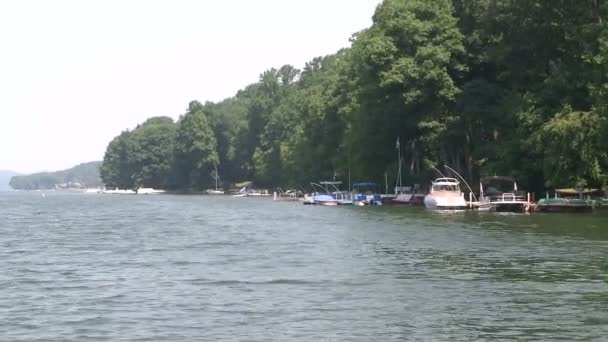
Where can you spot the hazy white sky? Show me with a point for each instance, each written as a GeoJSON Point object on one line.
{"type": "Point", "coordinates": [74, 74]}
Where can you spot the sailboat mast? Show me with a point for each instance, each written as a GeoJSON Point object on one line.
{"type": "Point", "coordinates": [216, 176]}
{"type": "Point", "coordinates": [398, 185]}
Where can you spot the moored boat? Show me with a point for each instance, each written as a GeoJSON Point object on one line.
{"type": "Point", "coordinates": [567, 200]}
{"type": "Point", "coordinates": [326, 197]}
{"type": "Point", "coordinates": [325, 200]}
{"type": "Point", "coordinates": [405, 194]}
{"type": "Point", "coordinates": [308, 200]}
{"type": "Point", "coordinates": [494, 197]}
{"type": "Point", "coordinates": [445, 194]}
{"type": "Point", "coordinates": [119, 192]}
{"type": "Point", "coordinates": [149, 191]}
{"type": "Point", "coordinates": [92, 191]}
{"type": "Point", "coordinates": [364, 194]}
{"type": "Point", "coordinates": [408, 196]}
{"type": "Point", "coordinates": [216, 191]}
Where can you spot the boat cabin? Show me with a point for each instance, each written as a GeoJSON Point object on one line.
{"type": "Point", "coordinates": [445, 184]}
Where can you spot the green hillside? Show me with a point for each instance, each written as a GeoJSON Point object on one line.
{"type": "Point", "coordinates": [81, 176]}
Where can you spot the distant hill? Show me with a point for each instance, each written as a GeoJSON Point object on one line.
{"type": "Point", "coordinates": [5, 177]}
{"type": "Point", "coordinates": [82, 176]}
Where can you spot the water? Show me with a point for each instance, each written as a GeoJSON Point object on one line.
{"type": "Point", "coordinates": [76, 267]}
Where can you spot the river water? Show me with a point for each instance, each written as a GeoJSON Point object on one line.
{"type": "Point", "coordinates": [76, 267]}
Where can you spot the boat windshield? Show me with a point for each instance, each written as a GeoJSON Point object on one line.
{"type": "Point", "coordinates": [446, 187]}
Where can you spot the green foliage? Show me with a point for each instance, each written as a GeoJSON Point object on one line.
{"type": "Point", "coordinates": [116, 167]}
{"type": "Point", "coordinates": [195, 149]}
{"type": "Point", "coordinates": [142, 157]}
{"type": "Point", "coordinates": [514, 87]}
{"type": "Point", "coordinates": [81, 176]}
{"type": "Point", "coordinates": [150, 153]}
{"type": "Point", "coordinates": [573, 145]}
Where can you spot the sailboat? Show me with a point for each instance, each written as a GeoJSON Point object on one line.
{"type": "Point", "coordinates": [403, 194]}
{"type": "Point", "coordinates": [216, 191]}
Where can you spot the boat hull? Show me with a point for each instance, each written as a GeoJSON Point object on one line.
{"type": "Point", "coordinates": [327, 203]}
{"type": "Point", "coordinates": [504, 207]}
{"type": "Point", "coordinates": [564, 206]}
{"type": "Point", "coordinates": [442, 203]}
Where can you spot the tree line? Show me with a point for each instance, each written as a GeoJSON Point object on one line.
{"type": "Point", "coordinates": [84, 175]}
{"type": "Point", "coordinates": [509, 87]}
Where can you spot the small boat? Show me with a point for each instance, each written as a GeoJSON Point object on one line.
{"type": "Point", "coordinates": [368, 197]}
{"type": "Point", "coordinates": [493, 199]}
{"type": "Point", "coordinates": [328, 198]}
{"type": "Point", "coordinates": [257, 193]}
{"type": "Point", "coordinates": [404, 194]}
{"type": "Point", "coordinates": [149, 191]}
{"type": "Point", "coordinates": [287, 195]}
{"type": "Point", "coordinates": [408, 195]}
{"type": "Point", "coordinates": [325, 199]}
{"type": "Point", "coordinates": [308, 200]}
{"type": "Point", "coordinates": [119, 192]}
{"type": "Point", "coordinates": [343, 197]}
{"type": "Point", "coordinates": [92, 191]}
{"type": "Point", "coordinates": [445, 194]}
{"type": "Point", "coordinates": [568, 200]}
{"type": "Point", "coordinates": [216, 191]}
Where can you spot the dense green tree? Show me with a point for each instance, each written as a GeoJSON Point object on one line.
{"type": "Point", "coordinates": [515, 87]}
{"type": "Point", "coordinates": [195, 149]}
{"type": "Point", "coordinates": [84, 175]}
{"type": "Point", "coordinates": [150, 153]}
{"type": "Point", "coordinates": [116, 167]}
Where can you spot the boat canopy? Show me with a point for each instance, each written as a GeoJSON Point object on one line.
{"type": "Point", "coordinates": [572, 191]}
{"type": "Point", "coordinates": [330, 182]}
{"type": "Point", "coordinates": [242, 184]}
{"type": "Point", "coordinates": [447, 181]}
{"type": "Point", "coordinates": [365, 184]}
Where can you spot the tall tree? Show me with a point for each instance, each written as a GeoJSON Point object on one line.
{"type": "Point", "coordinates": [195, 149]}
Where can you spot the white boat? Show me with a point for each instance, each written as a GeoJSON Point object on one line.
{"type": "Point", "coordinates": [216, 191]}
{"type": "Point", "coordinates": [405, 194]}
{"type": "Point", "coordinates": [325, 200]}
{"type": "Point", "coordinates": [255, 193]}
{"type": "Point", "coordinates": [493, 199]}
{"type": "Point", "coordinates": [92, 191]}
{"type": "Point", "coordinates": [364, 194]}
{"type": "Point", "coordinates": [308, 200]}
{"type": "Point", "coordinates": [149, 191]}
{"type": "Point", "coordinates": [445, 194]}
{"type": "Point", "coordinates": [343, 198]}
{"type": "Point", "coordinates": [119, 192]}
{"type": "Point", "coordinates": [328, 198]}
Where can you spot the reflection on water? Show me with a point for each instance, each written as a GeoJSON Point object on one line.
{"type": "Point", "coordinates": [92, 267]}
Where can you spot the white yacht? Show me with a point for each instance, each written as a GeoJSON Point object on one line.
{"type": "Point", "coordinates": [92, 191]}
{"type": "Point", "coordinates": [149, 191]}
{"type": "Point", "coordinates": [119, 192]}
{"type": "Point", "coordinates": [445, 194]}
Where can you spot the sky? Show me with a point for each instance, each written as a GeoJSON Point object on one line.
{"type": "Point", "coordinates": [74, 74]}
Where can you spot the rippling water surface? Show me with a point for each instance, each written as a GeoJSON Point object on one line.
{"type": "Point", "coordinates": [76, 267]}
